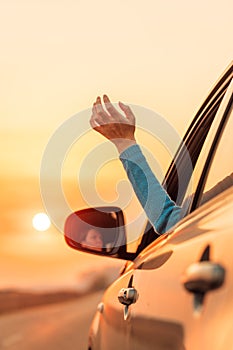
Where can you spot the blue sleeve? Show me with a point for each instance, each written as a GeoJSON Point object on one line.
{"type": "Point", "coordinates": [161, 211]}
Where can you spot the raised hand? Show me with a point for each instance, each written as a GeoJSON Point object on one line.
{"type": "Point", "coordinates": [116, 127]}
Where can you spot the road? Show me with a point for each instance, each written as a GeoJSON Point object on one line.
{"type": "Point", "coordinates": [61, 326]}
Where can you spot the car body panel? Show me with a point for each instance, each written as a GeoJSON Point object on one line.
{"type": "Point", "coordinates": [160, 320]}
{"type": "Point", "coordinates": [162, 293]}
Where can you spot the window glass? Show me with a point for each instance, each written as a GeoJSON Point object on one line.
{"type": "Point", "coordinates": [220, 176]}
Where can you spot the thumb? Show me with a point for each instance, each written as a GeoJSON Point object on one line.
{"type": "Point", "coordinates": [128, 112]}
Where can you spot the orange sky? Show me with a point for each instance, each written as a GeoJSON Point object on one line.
{"type": "Point", "coordinates": [56, 57]}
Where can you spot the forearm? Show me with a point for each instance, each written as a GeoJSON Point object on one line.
{"type": "Point", "coordinates": [161, 211]}
{"type": "Point", "coordinates": [120, 129]}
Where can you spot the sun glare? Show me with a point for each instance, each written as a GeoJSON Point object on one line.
{"type": "Point", "coordinates": [41, 222]}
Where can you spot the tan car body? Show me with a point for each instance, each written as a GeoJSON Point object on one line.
{"type": "Point", "coordinates": [165, 315]}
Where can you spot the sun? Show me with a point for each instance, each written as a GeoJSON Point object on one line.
{"type": "Point", "coordinates": [41, 222]}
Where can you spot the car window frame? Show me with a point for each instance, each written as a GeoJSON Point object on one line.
{"type": "Point", "coordinates": [208, 109]}
{"type": "Point", "coordinates": [227, 110]}
{"type": "Point", "coordinates": [206, 114]}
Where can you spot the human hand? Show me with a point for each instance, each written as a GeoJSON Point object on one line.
{"type": "Point", "coordinates": [116, 127]}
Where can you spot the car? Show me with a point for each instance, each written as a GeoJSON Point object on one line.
{"type": "Point", "coordinates": [175, 291]}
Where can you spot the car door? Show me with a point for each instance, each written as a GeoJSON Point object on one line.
{"type": "Point", "coordinates": [167, 315]}
{"type": "Point", "coordinates": [113, 330]}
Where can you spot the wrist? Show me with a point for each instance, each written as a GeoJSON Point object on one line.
{"type": "Point", "coordinates": [123, 144]}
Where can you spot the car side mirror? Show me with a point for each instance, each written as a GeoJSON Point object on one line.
{"type": "Point", "coordinates": [99, 230]}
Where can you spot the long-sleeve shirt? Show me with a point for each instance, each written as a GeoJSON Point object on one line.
{"type": "Point", "coordinates": [160, 209]}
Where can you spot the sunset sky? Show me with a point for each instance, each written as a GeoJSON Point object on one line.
{"type": "Point", "coordinates": [56, 57]}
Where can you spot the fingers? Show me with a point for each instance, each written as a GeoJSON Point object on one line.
{"type": "Point", "coordinates": [101, 115]}
{"type": "Point", "coordinates": [128, 112]}
{"type": "Point", "coordinates": [96, 120]}
{"type": "Point", "coordinates": [111, 109]}
{"type": "Point", "coordinates": [94, 124]}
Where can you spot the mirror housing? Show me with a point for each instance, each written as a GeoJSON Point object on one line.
{"type": "Point", "coordinates": [99, 231]}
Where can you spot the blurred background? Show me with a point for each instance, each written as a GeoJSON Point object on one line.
{"type": "Point", "coordinates": [56, 58]}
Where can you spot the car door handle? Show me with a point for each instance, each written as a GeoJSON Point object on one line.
{"type": "Point", "coordinates": [128, 296]}
{"type": "Point", "coordinates": [203, 276]}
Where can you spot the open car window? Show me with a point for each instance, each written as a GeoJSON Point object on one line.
{"type": "Point", "coordinates": [220, 174]}
{"type": "Point", "coordinates": [191, 149]}
{"type": "Point", "coordinates": [193, 142]}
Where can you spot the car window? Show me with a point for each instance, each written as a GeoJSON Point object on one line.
{"type": "Point", "coordinates": [191, 149]}
{"type": "Point", "coordinates": [196, 147]}
{"type": "Point", "coordinates": [220, 176]}
{"type": "Point", "coordinates": [187, 161]}
{"type": "Point", "coordinates": [208, 151]}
